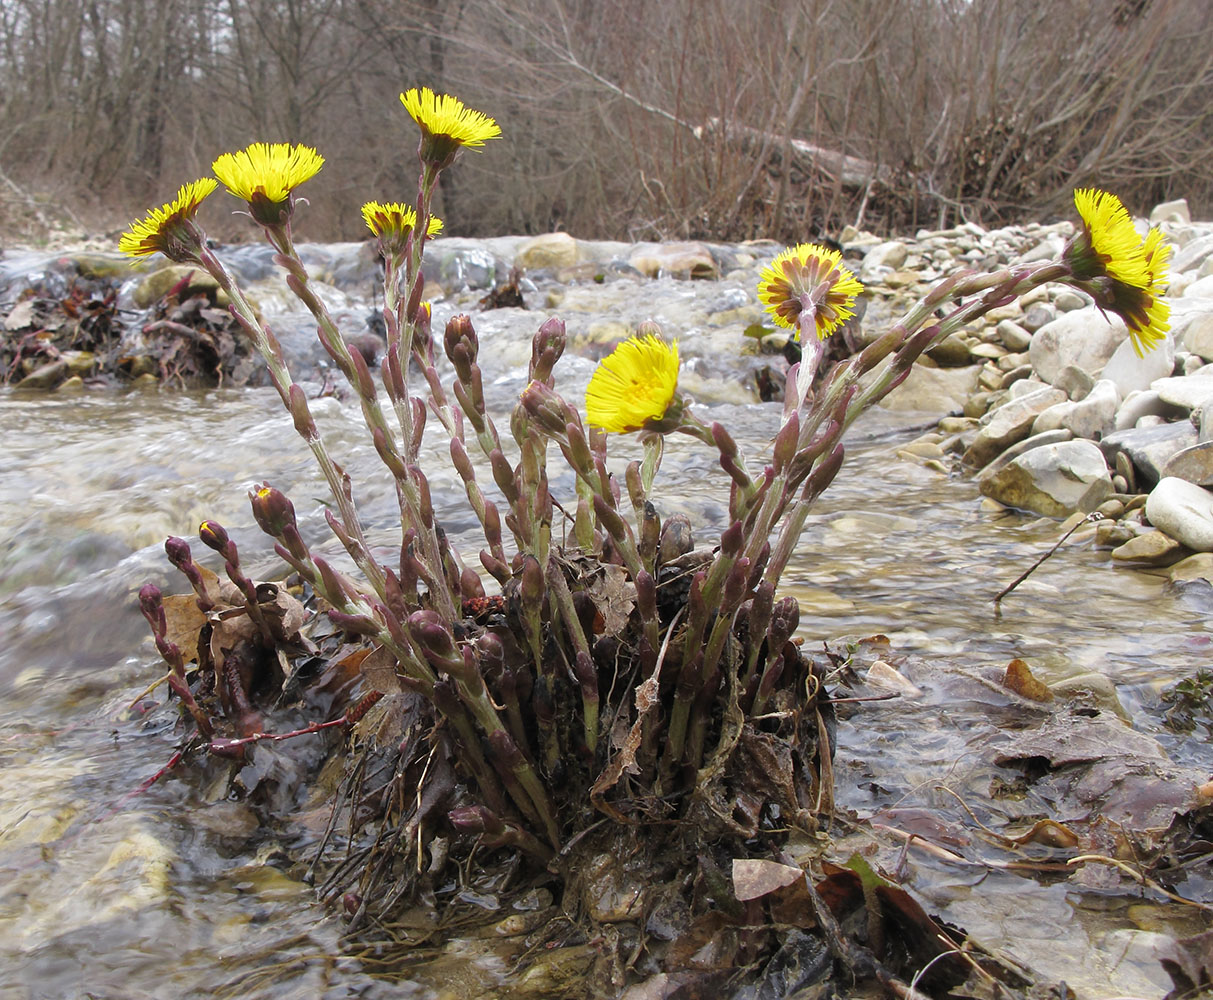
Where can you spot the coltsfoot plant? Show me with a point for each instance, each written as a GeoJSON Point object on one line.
{"type": "Point", "coordinates": [623, 679]}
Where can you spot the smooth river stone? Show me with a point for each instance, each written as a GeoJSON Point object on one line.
{"type": "Point", "coordinates": [1184, 511]}
{"type": "Point", "coordinates": [1194, 464]}
{"type": "Point", "coordinates": [1131, 373]}
{"type": "Point", "coordinates": [1149, 448]}
{"type": "Point", "coordinates": [1009, 423]}
{"type": "Point", "coordinates": [1186, 391]}
{"type": "Point", "coordinates": [1198, 336]}
{"type": "Point", "coordinates": [1154, 548]}
{"type": "Point", "coordinates": [547, 250]}
{"type": "Point", "coordinates": [1084, 337]}
{"type": "Point", "coordinates": [1088, 417]}
{"type": "Point", "coordinates": [1054, 480]}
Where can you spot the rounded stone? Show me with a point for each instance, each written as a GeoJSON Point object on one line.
{"type": "Point", "coordinates": [1084, 338]}
{"type": "Point", "coordinates": [1194, 464]}
{"type": "Point", "coordinates": [1184, 511]}
{"type": "Point", "coordinates": [1054, 480]}
{"type": "Point", "coordinates": [547, 250]}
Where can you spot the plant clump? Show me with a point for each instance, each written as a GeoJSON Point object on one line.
{"type": "Point", "coordinates": [607, 697]}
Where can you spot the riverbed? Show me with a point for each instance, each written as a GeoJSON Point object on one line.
{"type": "Point", "coordinates": [171, 893]}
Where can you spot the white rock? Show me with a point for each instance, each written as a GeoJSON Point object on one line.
{"type": "Point", "coordinates": [1186, 391]}
{"type": "Point", "coordinates": [889, 255]}
{"type": "Point", "coordinates": [547, 250]}
{"type": "Point", "coordinates": [1089, 417]}
{"type": "Point", "coordinates": [1083, 337]}
{"type": "Point", "coordinates": [1131, 373]}
{"type": "Point", "coordinates": [1201, 288]}
{"type": "Point", "coordinates": [1184, 511]}
{"type": "Point", "coordinates": [1197, 336]}
{"type": "Point", "coordinates": [1171, 211]}
{"type": "Point", "coordinates": [1139, 404]}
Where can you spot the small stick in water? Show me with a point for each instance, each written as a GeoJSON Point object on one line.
{"type": "Point", "coordinates": [1093, 516]}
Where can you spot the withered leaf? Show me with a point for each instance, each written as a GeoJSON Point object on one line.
{"type": "Point", "coordinates": [1019, 678]}
{"type": "Point", "coordinates": [379, 669]}
{"type": "Point", "coordinates": [614, 596]}
{"type": "Point", "coordinates": [755, 877]}
{"type": "Point", "coordinates": [184, 621]}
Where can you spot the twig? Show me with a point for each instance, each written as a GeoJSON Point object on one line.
{"type": "Point", "coordinates": [1137, 876]}
{"type": "Point", "coordinates": [1092, 517]}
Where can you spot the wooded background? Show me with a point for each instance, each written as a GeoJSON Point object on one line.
{"type": "Point", "coordinates": [625, 119]}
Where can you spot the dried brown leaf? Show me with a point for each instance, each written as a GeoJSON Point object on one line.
{"type": "Point", "coordinates": [1018, 678]}
{"type": "Point", "coordinates": [184, 621]}
{"type": "Point", "coordinates": [379, 669]}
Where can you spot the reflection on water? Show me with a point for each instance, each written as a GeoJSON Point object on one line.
{"type": "Point", "coordinates": [169, 896]}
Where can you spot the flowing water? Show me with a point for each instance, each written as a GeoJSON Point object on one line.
{"type": "Point", "coordinates": [108, 894]}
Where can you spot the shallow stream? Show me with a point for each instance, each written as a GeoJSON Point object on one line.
{"type": "Point", "coordinates": [109, 894]}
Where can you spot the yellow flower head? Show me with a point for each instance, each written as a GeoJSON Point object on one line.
{"type": "Point", "coordinates": [807, 275]}
{"type": "Point", "coordinates": [392, 223]}
{"type": "Point", "coordinates": [265, 175]}
{"type": "Point", "coordinates": [1118, 269]}
{"type": "Point", "coordinates": [446, 125]}
{"type": "Point", "coordinates": [633, 388]}
{"type": "Point", "coordinates": [169, 229]}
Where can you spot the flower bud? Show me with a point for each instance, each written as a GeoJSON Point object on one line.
{"type": "Point", "coordinates": [503, 475]}
{"type": "Point", "coordinates": [785, 617]}
{"type": "Point", "coordinates": [461, 345]}
{"type": "Point", "coordinates": [731, 540]}
{"type": "Point", "coordinates": [785, 441]}
{"type": "Point", "coordinates": [272, 510]}
{"type": "Point", "coordinates": [151, 606]}
{"type": "Point", "coordinates": [178, 552]}
{"type": "Point", "coordinates": [650, 532]}
{"type": "Point", "coordinates": [532, 586]}
{"type": "Point", "coordinates": [470, 584]}
{"type": "Point", "coordinates": [546, 348]}
{"type": "Point", "coordinates": [213, 535]}
{"type": "Point", "coordinates": [354, 624]}
{"type": "Point", "coordinates": [545, 407]}
{"type": "Point", "coordinates": [475, 819]}
{"type": "Point", "coordinates": [336, 590]}
{"type": "Point", "coordinates": [428, 628]}
{"type": "Point", "coordinates": [362, 376]}
{"type": "Point", "coordinates": [587, 676]}
{"type": "Point", "coordinates": [761, 608]}
{"type": "Point", "coordinates": [300, 413]}
{"type": "Point", "coordinates": [735, 584]}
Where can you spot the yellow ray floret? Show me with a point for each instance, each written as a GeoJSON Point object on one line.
{"type": "Point", "coordinates": [809, 274]}
{"type": "Point", "coordinates": [1120, 270]}
{"type": "Point", "coordinates": [268, 170]}
{"type": "Point", "coordinates": [395, 219]}
{"type": "Point", "coordinates": [444, 116]}
{"type": "Point", "coordinates": [153, 233]}
{"type": "Point", "coordinates": [634, 385]}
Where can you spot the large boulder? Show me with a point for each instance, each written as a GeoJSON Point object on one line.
{"type": "Point", "coordinates": [1054, 480]}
